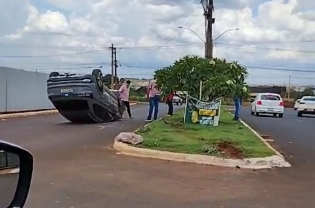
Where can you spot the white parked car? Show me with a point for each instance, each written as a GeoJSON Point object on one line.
{"type": "Point", "coordinates": [296, 104]}
{"type": "Point", "coordinates": [306, 106]}
{"type": "Point", "coordinates": [177, 100]}
{"type": "Point", "coordinates": [267, 103]}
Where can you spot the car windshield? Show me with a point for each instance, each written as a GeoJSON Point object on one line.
{"type": "Point", "coordinates": [270, 97]}
{"type": "Point", "coordinates": [309, 99]}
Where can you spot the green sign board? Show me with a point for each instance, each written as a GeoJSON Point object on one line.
{"type": "Point", "coordinates": [200, 112]}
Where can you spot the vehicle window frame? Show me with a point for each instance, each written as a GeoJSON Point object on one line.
{"type": "Point", "coordinates": [304, 99]}
{"type": "Point", "coordinates": [278, 96]}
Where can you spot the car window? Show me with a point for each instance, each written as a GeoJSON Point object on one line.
{"type": "Point", "coordinates": [308, 99]}
{"type": "Point", "coordinates": [270, 97]}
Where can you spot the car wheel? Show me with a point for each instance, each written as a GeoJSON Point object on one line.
{"type": "Point", "coordinates": [295, 108]}
{"type": "Point", "coordinates": [98, 75]}
{"type": "Point", "coordinates": [280, 115]}
{"type": "Point", "coordinates": [252, 113]}
{"type": "Point", "coordinates": [299, 114]}
{"type": "Point", "coordinates": [54, 74]}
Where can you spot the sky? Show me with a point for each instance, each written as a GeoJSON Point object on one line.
{"type": "Point", "coordinates": [275, 40]}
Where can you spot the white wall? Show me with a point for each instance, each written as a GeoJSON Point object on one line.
{"type": "Point", "coordinates": [23, 90]}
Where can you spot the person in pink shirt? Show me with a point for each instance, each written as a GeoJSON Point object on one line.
{"type": "Point", "coordinates": [153, 94]}
{"type": "Point", "coordinates": [124, 96]}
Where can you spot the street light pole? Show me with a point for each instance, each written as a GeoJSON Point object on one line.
{"type": "Point", "coordinates": [186, 28]}
{"type": "Point", "coordinates": [224, 33]}
{"type": "Point", "coordinates": [208, 46]}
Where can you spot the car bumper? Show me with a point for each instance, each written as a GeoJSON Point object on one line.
{"type": "Point", "coordinates": [269, 110]}
{"type": "Point", "coordinates": [306, 111]}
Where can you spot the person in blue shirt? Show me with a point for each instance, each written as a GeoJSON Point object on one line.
{"type": "Point", "coordinates": [238, 104]}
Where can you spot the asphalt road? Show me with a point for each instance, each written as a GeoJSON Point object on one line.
{"type": "Point", "coordinates": [8, 184]}
{"type": "Point", "coordinates": [75, 166]}
{"type": "Point", "coordinates": [294, 136]}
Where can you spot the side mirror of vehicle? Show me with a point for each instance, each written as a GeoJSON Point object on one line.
{"type": "Point", "coordinates": [16, 169]}
{"type": "Point", "coordinates": [252, 100]}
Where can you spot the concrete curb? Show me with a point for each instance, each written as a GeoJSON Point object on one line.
{"type": "Point", "coordinates": [25, 114]}
{"type": "Point", "coordinates": [260, 137]}
{"type": "Point", "coordinates": [251, 163]}
{"type": "Point", "coordinates": [34, 113]}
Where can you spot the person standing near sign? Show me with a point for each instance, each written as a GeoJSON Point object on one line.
{"type": "Point", "coordinates": [237, 103]}
{"type": "Point", "coordinates": [124, 96]}
{"type": "Point", "coordinates": [169, 102]}
{"type": "Point", "coordinates": [153, 94]}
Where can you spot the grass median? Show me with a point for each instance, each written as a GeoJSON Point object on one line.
{"type": "Point", "coordinates": [229, 140]}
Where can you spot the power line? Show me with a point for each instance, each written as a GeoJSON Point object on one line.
{"type": "Point", "coordinates": [160, 47]}
{"type": "Point", "coordinates": [155, 48]}
{"type": "Point", "coordinates": [275, 42]}
{"type": "Point", "coordinates": [126, 65]}
{"type": "Point", "coordinates": [263, 48]}
{"type": "Point", "coordinates": [55, 55]}
{"type": "Point", "coordinates": [98, 51]}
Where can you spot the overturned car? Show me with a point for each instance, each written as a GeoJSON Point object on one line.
{"type": "Point", "coordinates": [84, 98]}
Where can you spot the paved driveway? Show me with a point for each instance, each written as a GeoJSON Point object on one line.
{"type": "Point", "coordinates": [76, 167]}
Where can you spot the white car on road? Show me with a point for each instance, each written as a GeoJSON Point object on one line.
{"type": "Point", "coordinates": [306, 106]}
{"type": "Point", "coordinates": [267, 103]}
{"type": "Point", "coordinates": [296, 104]}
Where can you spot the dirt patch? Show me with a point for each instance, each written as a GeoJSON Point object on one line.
{"type": "Point", "coordinates": [229, 150]}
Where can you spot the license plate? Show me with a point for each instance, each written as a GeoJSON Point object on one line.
{"type": "Point", "coordinates": [270, 109]}
{"type": "Point", "coordinates": [66, 90]}
{"type": "Point", "coordinates": [310, 110]}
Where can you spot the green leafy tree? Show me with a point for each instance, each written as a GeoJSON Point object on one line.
{"type": "Point", "coordinates": [219, 77]}
{"type": "Point", "coordinates": [107, 80]}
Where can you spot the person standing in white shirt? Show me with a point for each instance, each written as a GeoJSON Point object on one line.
{"type": "Point", "coordinates": [124, 96]}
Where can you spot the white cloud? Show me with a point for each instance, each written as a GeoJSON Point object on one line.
{"type": "Point", "coordinates": [71, 33]}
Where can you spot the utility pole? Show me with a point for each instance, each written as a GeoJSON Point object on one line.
{"type": "Point", "coordinates": [113, 50]}
{"type": "Point", "coordinates": [115, 68]}
{"type": "Point", "coordinates": [208, 9]}
{"type": "Point", "coordinates": [289, 87]}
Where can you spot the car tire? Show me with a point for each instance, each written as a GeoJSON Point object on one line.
{"type": "Point", "coordinates": [252, 113]}
{"type": "Point", "coordinates": [54, 74]}
{"type": "Point", "coordinates": [98, 76]}
{"type": "Point", "coordinates": [299, 114]}
{"type": "Point", "coordinates": [280, 115]}
{"type": "Point", "coordinates": [295, 108]}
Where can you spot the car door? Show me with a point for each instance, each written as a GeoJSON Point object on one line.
{"type": "Point", "coordinates": [253, 104]}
